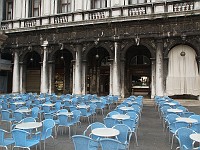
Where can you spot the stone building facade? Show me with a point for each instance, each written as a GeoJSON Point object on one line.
{"type": "Point", "coordinates": [103, 46]}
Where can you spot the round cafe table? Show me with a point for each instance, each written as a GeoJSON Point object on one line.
{"type": "Point", "coordinates": [188, 120]}
{"type": "Point", "coordinates": [175, 110]}
{"type": "Point", "coordinates": [48, 104]}
{"type": "Point", "coordinates": [19, 103]}
{"type": "Point", "coordinates": [120, 116]}
{"type": "Point", "coordinates": [28, 125]}
{"type": "Point", "coordinates": [94, 101]}
{"type": "Point", "coordinates": [170, 103]}
{"type": "Point", "coordinates": [65, 113]}
{"type": "Point", "coordinates": [105, 132]}
{"type": "Point", "coordinates": [83, 106]}
{"type": "Point", "coordinates": [195, 137]}
{"type": "Point", "coordinates": [126, 108]}
{"type": "Point", "coordinates": [23, 110]}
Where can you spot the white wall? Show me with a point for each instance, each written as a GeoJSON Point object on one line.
{"type": "Point", "coordinates": [1, 11]}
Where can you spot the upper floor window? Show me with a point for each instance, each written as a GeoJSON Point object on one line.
{"type": "Point", "coordinates": [98, 4]}
{"type": "Point", "coordinates": [136, 1]}
{"type": "Point", "coordinates": [64, 6]}
{"type": "Point", "coordinates": [36, 8]}
{"type": "Point", "coordinates": [9, 10]}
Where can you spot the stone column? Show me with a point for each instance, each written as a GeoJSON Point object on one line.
{"type": "Point", "coordinates": [44, 73]}
{"type": "Point", "coordinates": [109, 3]}
{"type": "Point", "coordinates": [50, 76]}
{"type": "Point", "coordinates": [97, 80]}
{"type": "Point", "coordinates": [125, 2]}
{"type": "Point", "coordinates": [88, 4]}
{"type": "Point", "coordinates": [54, 7]}
{"type": "Point", "coordinates": [17, 9]}
{"type": "Point", "coordinates": [16, 79]}
{"type": "Point", "coordinates": [122, 78]}
{"type": "Point", "coordinates": [46, 7]}
{"type": "Point", "coordinates": [111, 79]}
{"type": "Point", "coordinates": [1, 14]}
{"type": "Point", "coordinates": [25, 8]}
{"type": "Point", "coordinates": [78, 5]}
{"type": "Point", "coordinates": [115, 3]}
{"type": "Point", "coordinates": [84, 77]}
{"type": "Point", "coordinates": [159, 68]}
{"type": "Point", "coordinates": [153, 78]}
{"type": "Point", "coordinates": [73, 77]}
{"type": "Point", "coordinates": [116, 70]}
{"type": "Point", "coordinates": [198, 62]}
{"type": "Point", "coordinates": [78, 70]}
{"type": "Point", "coordinates": [22, 77]}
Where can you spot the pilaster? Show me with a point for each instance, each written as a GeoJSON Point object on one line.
{"type": "Point", "coordinates": [51, 76]}
{"type": "Point", "coordinates": [22, 77]}
{"type": "Point", "coordinates": [111, 78]}
{"type": "Point", "coordinates": [44, 77]}
{"type": "Point", "coordinates": [84, 77]}
{"type": "Point", "coordinates": [159, 68]}
{"type": "Point", "coordinates": [122, 78]}
{"type": "Point", "coordinates": [116, 70]}
{"type": "Point", "coordinates": [153, 77]}
{"type": "Point", "coordinates": [16, 75]}
{"type": "Point", "coordinates": [78, 69]}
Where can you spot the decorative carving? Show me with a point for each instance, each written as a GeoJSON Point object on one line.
{"type": "Point", "coordinates": [123, 44]}
{"type": "Point", "coordinates": [153, 44]}
{"type": "Point", "coordinates": [137, 40]}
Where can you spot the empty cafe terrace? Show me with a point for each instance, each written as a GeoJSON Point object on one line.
{"type": "Point", "coordinates": [90, 122]}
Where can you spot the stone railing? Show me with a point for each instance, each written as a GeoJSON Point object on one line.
{"type": "Point", "coordinates": [137, 11]}
{"type": "Point", "coordinates": [148, 10]}
{"type": "Point", "coordinates": [183, 6]}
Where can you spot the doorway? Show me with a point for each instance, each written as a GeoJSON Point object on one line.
{"type": "Point", "coordinates": [138, 71]}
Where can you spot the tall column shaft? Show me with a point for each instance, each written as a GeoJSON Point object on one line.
{"type": "Point", "coordinates": [16, 75]}
{"type": "Point", "coordinates": [84, 78]}
{"type": "Point", "coordinates": [111, 79]}
{"type": "Point", "coordinates": [22, 78]}
{"type": "Point", "coordinates": [46, 7]}
{"type": "Point", "coordinates": [116, 70]}
{"type": "Point", "coordinates": [50, 77]}
{"type": "Point", "coordinates": [78, 66]}
{"type": "Point", "coordinates": [159, 68]}
{"type": "Point", "coordinates": [122, 79]}
{"type": "Point", "coordinates": [78, 5]}
{"type": "Point", "coordinates": [153, 78]}
{"type": "Point", "coordinates": [44, 82]}
{"type": "Point", "coordinates": [17, 9]}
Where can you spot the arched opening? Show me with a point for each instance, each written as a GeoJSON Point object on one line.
{"type": "Point", "coordinates": [63, 72]}
{"type": "Point", "coordinates": [33, 72]}
{"type": "Point", "coordinates": [5, 73]}
{"type": "Point", "coordinates": [183, 75]}
{"type": "Point", "coordinates": [98, 71]}
{"type": "Point", "coordinates": [138, 70]}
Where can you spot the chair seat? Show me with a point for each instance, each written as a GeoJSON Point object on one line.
{"type": "Point", "coordinates": [30, 143]}
{"type": "Point", "coordinates": [122, 146]}
{"type": "Point", "coordinates": [8, 141]}
{"type": "Point", "coordinates": [93, 145]}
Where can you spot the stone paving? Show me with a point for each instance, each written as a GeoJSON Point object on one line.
{"type": "Point", "coordinates": [150, 133]}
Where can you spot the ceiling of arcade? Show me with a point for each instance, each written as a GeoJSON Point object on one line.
{"type": "Point", "coordinates": [170, 30]}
